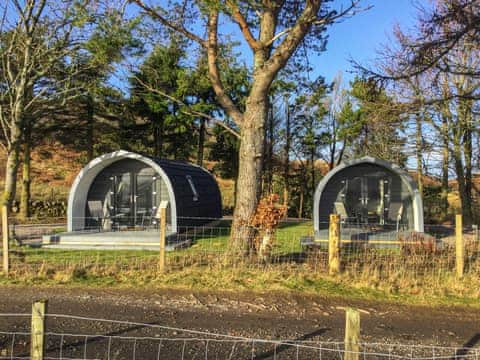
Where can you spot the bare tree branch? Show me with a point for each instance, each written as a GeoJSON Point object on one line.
{"type": "Point", "coordinates": [214, 73]}
{"type": "Point", "coordinates": [242, 23]}
{"type": "Point", "coordinates": [324, 21]}
{"type": "Point", "coordinates": [164, 21]}
{"type": "Point", "coordinates": [296, 34]}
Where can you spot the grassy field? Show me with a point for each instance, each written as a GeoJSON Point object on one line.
{"type": "Point", "coordinates": [209, 265]}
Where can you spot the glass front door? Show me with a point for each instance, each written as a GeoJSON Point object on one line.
{"type": "Point", "coordinates": [132, 203]}
{"type": "Point", "coordinates": [143, 200]}
{"type": "Point", "coordinates": [367, 198]}
{"type": "Point", "coordinates": [122, 199]}
{"type": "Point", "coordinates": [125, 195]}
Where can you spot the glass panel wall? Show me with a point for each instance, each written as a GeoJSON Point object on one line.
{"type": "Point", "coordinates": [367, 194]}
{"type": "Point", "coordinates": [125, 195]}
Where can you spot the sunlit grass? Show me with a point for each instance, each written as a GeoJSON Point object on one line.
{"type": "Point", "coordinates": [382, 275]}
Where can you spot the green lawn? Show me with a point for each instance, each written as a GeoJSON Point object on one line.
{"type": "Point", "coordinates": [207, 240]}
{"type": "Point", "coordinates": [208, 265]}
{"type": "Point", "coordinates": [215, 239]}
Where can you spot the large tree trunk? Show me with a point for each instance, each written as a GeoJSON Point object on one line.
{"type": "Point", "coordinates": [26, 177]}
{"type": "Point", "coordinates": [250, 171]}
{"type": "Point", "coordinates": [252, 120]}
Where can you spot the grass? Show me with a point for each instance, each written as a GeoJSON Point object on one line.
{"type": "Point", "coordinates": [216, 238]}
{"type": "Point", "coordinates": [207, 265]}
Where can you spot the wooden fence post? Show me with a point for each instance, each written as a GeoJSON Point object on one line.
{"type": "Point", "coordinates": [5, 235]}
{"type": "Point", "coordinates": [37, 347]}
{"type": "Point", "coordinates": [352, 334]}
{"type": "Point", "coordinates": [163, 235]}
{"type": "Point", "coordinates": [334, 244]}
{"type": "Point", "coordinates": [459, 246]}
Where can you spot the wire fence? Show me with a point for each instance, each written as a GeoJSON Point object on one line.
{"type": "Point", "coordinates": [369, 253]}
{"type": "Point", "coordinates": [75, 337]}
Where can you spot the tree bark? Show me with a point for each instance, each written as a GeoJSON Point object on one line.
{"type": "Point", "coordinates": [13, 157]}
{"type": "Point", "coordinates": [419, 153]}
{"type": "Point", "coordinates": [463, 143]}
{"type": "Point", "coordinates": [252, 121]}
{"type": "Point", "coordinates": [445, 162]}
{"type": "Point", "coordinates": [269, 152]}
{"type": "Point", "coordinates": [25, 195]}
{"type": "Point", "coordinates": [250, 171]}
{"type": "Point", "coordinates": [201, 142]}
{"type": "Point", "coordinates": [460, 172]}
{"type": "Point", "coordinates": [468, 156]}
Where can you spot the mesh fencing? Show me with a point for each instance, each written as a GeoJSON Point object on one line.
{"type": "Point", "coordinates": [76, 337]}
{"type": "Point", "coordinates": [373, 253]}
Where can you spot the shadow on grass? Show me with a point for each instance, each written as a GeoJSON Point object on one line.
{"type": "Point", "coordinates": [294, 257]}
{"type": "Point", "coordinates": [289, 224]}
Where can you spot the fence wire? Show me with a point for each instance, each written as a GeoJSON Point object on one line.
{"type": "Point", "coordinates": [369, 254]}
{"type": "Point", "coordinates": [73, 337]}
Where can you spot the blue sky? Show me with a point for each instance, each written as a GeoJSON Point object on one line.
{"type": "Point", "coordinates": [355, 38]}
{"type": "Point", "coordinates": [360, 36]}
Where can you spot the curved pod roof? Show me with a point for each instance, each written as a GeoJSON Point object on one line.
{"type": "Point", "coordinates": [173, 174]}
{"type": "Point", "coordinates": [405, 177]}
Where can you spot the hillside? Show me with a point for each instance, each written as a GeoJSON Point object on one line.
{"type": "Point", "coordinates": [55, 166]}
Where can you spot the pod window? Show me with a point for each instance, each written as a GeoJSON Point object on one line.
{"type": "Point", "coordinates": [192, 187]}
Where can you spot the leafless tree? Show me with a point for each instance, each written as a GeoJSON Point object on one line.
{"type": "Point", "coordinates": [38, 41]}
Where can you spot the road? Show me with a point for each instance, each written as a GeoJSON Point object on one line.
{"type": "Point", "coordinates": [252, 315]}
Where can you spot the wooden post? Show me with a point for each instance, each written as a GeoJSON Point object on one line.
{"type": "Point", "coordinates": [163, 235]}
{"type": "Point", "coordinates": [5, 234]}
{"type": "Point", "coordinates": [352, 334]}
{"type": "Point", "coordinates": [37, 347]}
{"type": "Point", "coordinates": [460, 246]}
{"type": "Point", "coordinates": [334, 244]}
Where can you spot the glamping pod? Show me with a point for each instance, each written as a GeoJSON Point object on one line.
{"type": "Point", "coordinates": [368, 193]}
{"type": "Point", "coordinates": [123, 190]}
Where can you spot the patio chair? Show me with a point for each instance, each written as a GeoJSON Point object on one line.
{"type": "Point", "coordinates": [101, 213]}
{"type": "Point", "coordinates": [399, 216]}
{"type": "Point", "coordinates": [95, 208]}
{"type": "Point", "coordinates": [395, 213]}
{"type": "Point", "coordinates": [339, 208]}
